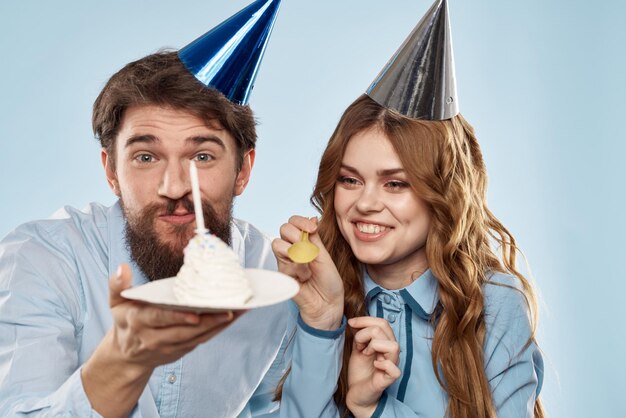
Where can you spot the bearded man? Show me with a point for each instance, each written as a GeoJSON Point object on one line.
{"type": "Point", "coordinates": [70, 345]}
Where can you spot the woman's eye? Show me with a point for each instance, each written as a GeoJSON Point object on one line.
{"type": "Point", "coordinates": [397, 185]}
{"type": "Point", "coordinates": [348, 181]}
{"type": "Point", "coordinates": [204, 157]}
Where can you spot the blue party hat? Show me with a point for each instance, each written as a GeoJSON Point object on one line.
{"type": "Point", "coordinates": [227, 58]}
{"type": "Point", "coordinates": [419, 80]}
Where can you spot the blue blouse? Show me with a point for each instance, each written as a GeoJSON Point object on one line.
{"type": "Point", "coordinates": [514, 367]}
{"type": "Point", "coordinates": [514, 370]}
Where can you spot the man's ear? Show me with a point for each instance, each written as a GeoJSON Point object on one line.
{"type": "Point", "coordinates": [244, 174]}
{"type": "Point", "coordinates": [109, 171]}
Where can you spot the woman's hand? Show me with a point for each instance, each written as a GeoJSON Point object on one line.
{"type": "Point", "coordinates": [320, 299]}
{"type": "Point", "coordinates": [373, 365]}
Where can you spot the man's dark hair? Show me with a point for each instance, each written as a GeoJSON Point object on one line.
{"type": "Point", "coordinates": [161, 79]}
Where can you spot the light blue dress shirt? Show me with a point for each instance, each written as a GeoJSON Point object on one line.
{"type": "Point", "coordinates": [514, 370]}
{"type": "Point", "coordinates": [54, 311]}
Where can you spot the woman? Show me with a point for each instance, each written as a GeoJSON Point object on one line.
{"type": "Point", "coordinates": [407, 226]}
{"type": "Point", "coordinates": [439, 325]}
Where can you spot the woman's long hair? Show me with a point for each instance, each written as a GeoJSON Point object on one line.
{"type": "Point", "coordinates": [445, 168]}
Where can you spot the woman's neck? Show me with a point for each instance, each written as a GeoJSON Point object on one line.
{"type": "Point", "coordinates": [399, 274]}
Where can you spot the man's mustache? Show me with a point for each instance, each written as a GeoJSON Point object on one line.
{"type": "Point", "coordinates": [171, 205]}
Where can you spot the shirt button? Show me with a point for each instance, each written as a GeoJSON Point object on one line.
{"type": "Point", "coordinates": [171, 378]}
{"type": "Point", "coordinates": [392, 318]}
{"type": "Point", "coordinates": [387, 299]}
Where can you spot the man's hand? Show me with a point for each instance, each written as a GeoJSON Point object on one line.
{"type": "Point", "coordinates": [373, 364]}
{"type": "Point", "coordinates": [148, 336]}
{"type": "Point", "coordinates": [320, 299]}
{"type": "Point", "coordinates": [142, 337]}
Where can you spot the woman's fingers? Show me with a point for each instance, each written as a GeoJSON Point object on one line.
{"type": "Point", "coordinates": [375, 327]}
{"type": "Point", "coordinates": [365, 335]}
{"type": "Point", "coordinates": [292, 230]}
{"type": "Point", "coordinates": [304, 224]}
{"type": "Point", "coordinates": [300, 272]}
{"type": "Point", "coordinates": [382, 348]}
{"type": "Point", "coordinates": [390, 350]}
{"type": "Point", "coordinates": [378, 338]}
{"type": "Point", "coordinates": [290, 233]}
{"type": "Point", "coordinates": [391, 370]}
{"type": "Point", "coordinates": [280, 247]}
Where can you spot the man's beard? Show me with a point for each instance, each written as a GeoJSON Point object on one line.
{"type": "Point", "coordinates": [158, 259]}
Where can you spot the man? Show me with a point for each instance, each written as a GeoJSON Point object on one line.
{"type": "Point", "coordinates": [70, 345]}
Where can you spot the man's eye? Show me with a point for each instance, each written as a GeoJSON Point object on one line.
{"type": "Point", "coordinates": [144, 158]}
{"type": "Point", "coordinates": [203, 157]}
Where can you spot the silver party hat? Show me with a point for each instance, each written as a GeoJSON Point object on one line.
{"type": "Point", "coordinates": [418, 81]}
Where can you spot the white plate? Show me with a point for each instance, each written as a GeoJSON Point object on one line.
{"type": "Point", "coordinates": [268, 288]}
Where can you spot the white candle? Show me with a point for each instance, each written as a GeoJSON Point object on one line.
{"type": "Point", "coordinates": [197, 201]}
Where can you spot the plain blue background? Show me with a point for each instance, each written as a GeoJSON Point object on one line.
{"type": "Point", "coordinates": [542, 82]}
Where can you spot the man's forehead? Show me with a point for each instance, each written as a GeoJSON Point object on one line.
{"type": "Point", "coordinates": [153, 115]}
{"type": "Point", "coordinates": [194, 140]}
{"type": "Point", "coordinates": [164, 122]}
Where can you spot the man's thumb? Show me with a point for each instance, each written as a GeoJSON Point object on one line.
{"type": "Point", "coordinates": [119, 281]}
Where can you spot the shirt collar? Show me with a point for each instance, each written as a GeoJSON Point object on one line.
{"type": "Point", "coordinates": [421, 295]}
{"type": "Point", "coordinates": [371, 288]}
{"type": "Point", "coordinates": [237, 242]}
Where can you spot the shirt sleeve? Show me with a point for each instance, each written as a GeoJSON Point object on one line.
{"type": "Point", "coordinates": [39, 333]}
{"type": "Point", "coordinates": [390, 407]}
{"type": "Point", "coordinates": [513, 362]}
{"type": "Point", "coordinates": [316, 363]}
{"type": "Point", "coordinates": [263, 403]}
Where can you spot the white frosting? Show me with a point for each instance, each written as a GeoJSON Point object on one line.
{"type": "Point", "coordinates": [211, 275]}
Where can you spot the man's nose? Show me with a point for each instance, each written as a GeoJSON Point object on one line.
{"type": "Point", "coordinates": [176, 182]}
{"type": "Point", "coordinates": [369, 200]}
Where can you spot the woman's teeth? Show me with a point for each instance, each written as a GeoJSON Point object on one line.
{"type": "Point", "coordinates": [371, 228]}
